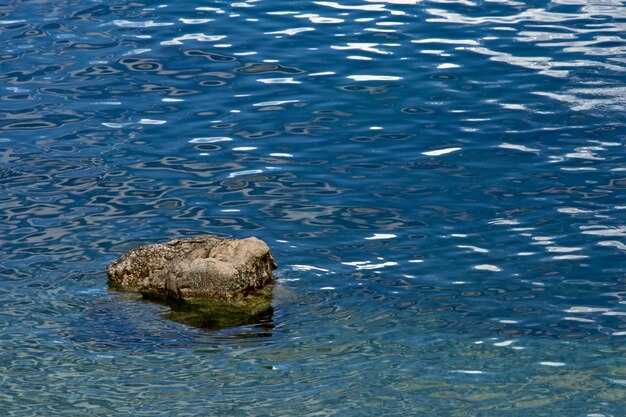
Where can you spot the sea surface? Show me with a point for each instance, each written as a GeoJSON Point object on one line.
{"type": "Point", "coordinates": [442, 184]}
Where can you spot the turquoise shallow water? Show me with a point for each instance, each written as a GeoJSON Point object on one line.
{"type": "Point", "coordinates": [441, 183]}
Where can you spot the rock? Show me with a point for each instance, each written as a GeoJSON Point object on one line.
{"type": "Point", "coordinates": [204, 269]}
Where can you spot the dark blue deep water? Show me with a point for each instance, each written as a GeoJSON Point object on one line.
{"type": "Point", "coordinates": [442, 183]}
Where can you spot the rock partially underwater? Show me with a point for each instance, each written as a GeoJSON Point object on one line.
{"type": "Point", "coordinates": [209, 281]}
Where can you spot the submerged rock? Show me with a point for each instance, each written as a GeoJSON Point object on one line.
{"type": "Point", "coordinates": [199, 270]}
{"type": "Point", "coordinates": [254, 309]}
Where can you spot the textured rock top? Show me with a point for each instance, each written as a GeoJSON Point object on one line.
{"type": "Point", "coordinates": [195, 269]}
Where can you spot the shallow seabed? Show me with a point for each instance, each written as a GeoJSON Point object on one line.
{"type": "Point", "coordinates": [442, 184]}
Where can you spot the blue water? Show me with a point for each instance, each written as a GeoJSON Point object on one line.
{"type": "Point", "coordinates": [442, 184]}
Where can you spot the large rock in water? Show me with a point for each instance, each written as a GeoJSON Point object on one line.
{"type": "Point", "coordinates": [200, 270]}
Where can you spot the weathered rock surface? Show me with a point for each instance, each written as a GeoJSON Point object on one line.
{"type": "Point", "coordinates": [197, 269]}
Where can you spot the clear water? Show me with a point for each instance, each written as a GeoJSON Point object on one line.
{"type": "Point", "coordinates": [441, 183]}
